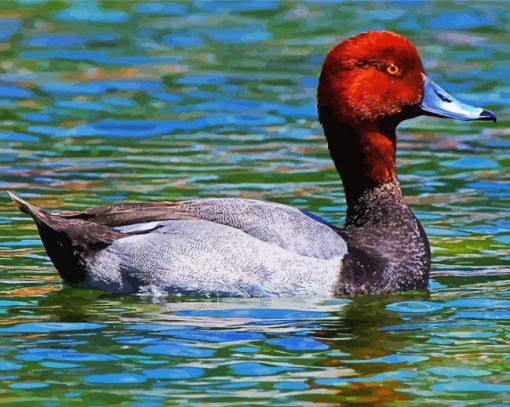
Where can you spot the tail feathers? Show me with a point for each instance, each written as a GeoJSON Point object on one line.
{"type": "Point", "coordinates": [37, 214]}
{"type": "Point", "coordinates": [78, 231]}
{"type": "Point", "coordinates": [70, 243]}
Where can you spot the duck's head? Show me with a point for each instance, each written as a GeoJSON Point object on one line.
{"type": "Point", "coordinates": [378, 77]}
{"type": "Point", "coordinates": [370, 83]}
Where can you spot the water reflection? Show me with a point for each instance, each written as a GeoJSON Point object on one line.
{"type": "Point", "coordinates": [345, 346]}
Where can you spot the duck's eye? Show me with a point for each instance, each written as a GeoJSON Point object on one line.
{"type": "Point", "coordinates": [392, 69]}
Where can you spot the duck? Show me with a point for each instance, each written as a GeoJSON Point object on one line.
{"type": "Point", "coordinates": [368, 85]}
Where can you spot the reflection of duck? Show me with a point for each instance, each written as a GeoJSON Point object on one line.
{"type": "Point", "coordinates": [365, 353]}
{"type": "Point", "coordinates": [368, 85]}
{"type": "Point", "coordinates": [363, 322]}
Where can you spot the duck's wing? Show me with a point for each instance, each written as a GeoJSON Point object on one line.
{"type": "Point", "coordinates": [280, 225]}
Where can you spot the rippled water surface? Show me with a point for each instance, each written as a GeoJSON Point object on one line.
{"type": "Point", "coordinates": [108, 101]}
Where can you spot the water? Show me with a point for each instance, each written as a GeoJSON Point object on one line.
{"type": "Point", "coordinates": [104, 101]}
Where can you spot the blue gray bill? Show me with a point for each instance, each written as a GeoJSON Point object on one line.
{"type": "Point", "coordinates": [437, 102]}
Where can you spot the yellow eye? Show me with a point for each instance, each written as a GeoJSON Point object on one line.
{"type": "Point", "coordinates": [392, 69]}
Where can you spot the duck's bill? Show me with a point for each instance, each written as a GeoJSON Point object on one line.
{"type": "Point", "coordinates": [437, 102]}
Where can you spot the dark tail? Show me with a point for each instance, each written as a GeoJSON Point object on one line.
{"type": "Point", "coordinates": [39, 216]}
{"type": "Point", "coordinates": [70, 243]}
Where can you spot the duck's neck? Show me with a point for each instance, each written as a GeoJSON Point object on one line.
{"type": "Point", "coordinates": [365, 159]}
{"type": "Point", "coordinates": [387, 247]}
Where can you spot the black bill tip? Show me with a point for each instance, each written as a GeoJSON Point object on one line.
{"type": "Point", "coordinates": [488, 115]}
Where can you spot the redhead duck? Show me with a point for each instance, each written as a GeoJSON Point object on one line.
{"type": "Point", "coordinates": [240, 247]}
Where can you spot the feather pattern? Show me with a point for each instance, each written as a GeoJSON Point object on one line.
{"type": "Point", "coordinates": [203, 257]}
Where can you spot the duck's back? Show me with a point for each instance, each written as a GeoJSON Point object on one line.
{"type": "Point", "coordinates": [277, 224]}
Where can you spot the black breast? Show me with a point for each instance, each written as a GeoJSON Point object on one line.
{"type": "Point", "coordinates": [388, 250]}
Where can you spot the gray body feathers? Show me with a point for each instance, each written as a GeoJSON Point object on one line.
{"type": "Point", "coordinates": [234, 247]}
{"type": "Point", "coordinates": [202, 257]}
